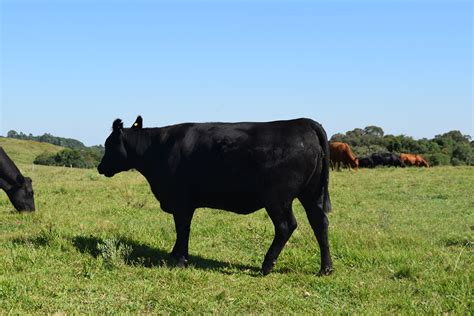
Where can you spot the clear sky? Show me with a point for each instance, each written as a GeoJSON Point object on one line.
{"type": "Point", "coordinates": [70, 68]}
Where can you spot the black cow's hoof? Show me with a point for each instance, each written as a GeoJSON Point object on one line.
{"type": "Point", "coordinates": [325, 271]}
{"type": "Point", "coordinates": [265, 271]}
{"type": "Point", "coordinates": [267, 268]}
{"type": "Point", "coordinates": [182, 262]}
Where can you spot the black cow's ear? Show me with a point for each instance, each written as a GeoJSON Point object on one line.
{"type": "Point", "coordinates": [20, 180]}
{"type": "Point", "coordinates": [117, 125]}
{"type": "Point", "coordinates": [138, 122]}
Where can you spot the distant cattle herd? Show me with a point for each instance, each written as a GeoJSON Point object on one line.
{"type": "Point", "coordinates": [238, 167]}
{"type": "Point", "coordinates": [342, 156]}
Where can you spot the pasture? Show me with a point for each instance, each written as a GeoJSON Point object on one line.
{"type": "Point", "coordinates": [401, 240]}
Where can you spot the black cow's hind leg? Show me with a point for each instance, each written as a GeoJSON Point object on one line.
{"type": "Point", "coordinates": [182, 222]}
{"type": "Point", "coordinates": [319, 223]}
{"type": "Point", "coordinates": [285, 223]}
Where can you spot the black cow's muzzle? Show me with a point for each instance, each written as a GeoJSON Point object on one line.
{"type": "Point", "coordinates": [101, 170]}
{"type": "Point", "coordinates": [26, 210]}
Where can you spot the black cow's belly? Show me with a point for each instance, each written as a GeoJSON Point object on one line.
{"type": "Point", "coordinates": [237, 202]}
{"type": "Point", "coordinates": [237, 199]}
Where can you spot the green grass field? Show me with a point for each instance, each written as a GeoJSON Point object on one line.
{"type": "Point", "coordinates": [401, 239]}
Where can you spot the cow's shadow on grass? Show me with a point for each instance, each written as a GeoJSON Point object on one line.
{"type": "Point", "coordinates": [140, 254]}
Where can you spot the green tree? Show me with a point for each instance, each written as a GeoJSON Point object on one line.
{"type": "Point", "coordinates": [12, 134]}
{"type": "Point", "coordinates": [374, 131]}
{"type": "Point", "coordinates": [85, 158]}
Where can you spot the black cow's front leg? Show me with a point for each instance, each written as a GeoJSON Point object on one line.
{"type": "Point", "coordinates": [182, 222]}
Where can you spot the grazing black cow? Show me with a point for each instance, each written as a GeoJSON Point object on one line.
{"type": "Point", "coordinates": [366, 162]}
{"type": "Point", "coordinates": [387, 159]}
{"type": "Point", "coordinates": [238, 167]}
{"type": "Point", "coordinates": [18, 188]}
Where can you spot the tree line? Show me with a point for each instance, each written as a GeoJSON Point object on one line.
{"type": "Point", "coordinates": [451, 148]}
{"type": "Point", "coordinates": [48, 138]}
{"type": "Point", "coordinates": [75, 154]}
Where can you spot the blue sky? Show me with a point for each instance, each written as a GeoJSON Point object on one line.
{"type": "Point", "coordinates": [71, 67]}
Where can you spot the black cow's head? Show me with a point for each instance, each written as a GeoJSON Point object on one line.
{"type": "Point", "coordinates": [116, 158]}
{"type": "Point", "coordinates": [21, 194]}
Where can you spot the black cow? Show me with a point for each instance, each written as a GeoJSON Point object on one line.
{"type": "Point", "coordinates": [387, 159]}
{"type": "Point", "coordinates": [366, 162]}
{"type": "Point", "coordinates": [18, 188]}
{"type": "Point", "coordinates": [238, 167]}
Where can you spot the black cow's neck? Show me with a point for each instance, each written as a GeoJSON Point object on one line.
{"type": "Point", "coordinates": [9, 172]}
{"type": "Point", "coordinates": [137, 143]}
{"type": "Point", "coordinates": [4, 185]}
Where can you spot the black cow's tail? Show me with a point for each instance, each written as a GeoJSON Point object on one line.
{"type": "Point", "coordinates": [324, 181]}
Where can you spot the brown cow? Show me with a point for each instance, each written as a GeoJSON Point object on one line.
{"type": "Point", "coordinates": [414, 160]}
{"type": "Point", "coordinates": [341, 153]}
{"type": "Point", "coordinates": [408, 159]}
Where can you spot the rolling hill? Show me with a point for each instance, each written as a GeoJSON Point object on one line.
{"type": "Point", "coordinates": [25, 151]}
